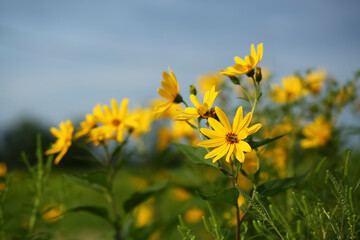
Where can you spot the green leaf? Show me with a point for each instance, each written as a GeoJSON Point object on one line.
{"type": "Point", "coordinates": [229, 195]}
{"type": "Point", "coordinates": [275, 186]}
{"type": "Point", "coordinates": [255, 145]}
{"type": "Point", "coordinates": [96, 180]}
{"type": "Point", "coordinates": [141, 196]}
{"type": "Point", "coordinates": [195, 154]}
{"type": "Point", "coordinates": [94, 210]}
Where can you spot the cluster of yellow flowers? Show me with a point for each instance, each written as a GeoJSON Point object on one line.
{"type": "Point", "coordinates": [294, 87]}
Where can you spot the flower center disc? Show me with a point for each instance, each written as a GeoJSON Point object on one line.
{"type": "Point", "coordinates": [116, 122]}
{"type": "Point", "coordinates": [232, 138]}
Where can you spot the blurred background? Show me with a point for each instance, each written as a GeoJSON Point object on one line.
{"type": "Point", "coordinates": [58, 59]}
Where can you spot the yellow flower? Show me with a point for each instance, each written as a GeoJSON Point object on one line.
{"type": "Point", "coordinates": [115, 121]}
{"type": "Point", "coordinates": [164, 139]}
{"type": "Point", "coordinates": [201, 109]}
{"type": "Point", "coordinates": [144, 215]}
{"type": "Point", "coordinates": [63, 142]}
{"type": "Point", "coordinates": [170, 92]}
{"type": "Point", "coordinates": [227, 139]}
{"type": "Point", "coordinates": [291, 90]}
{"type": "Point", "coordinates": [314, 81]}
{"type": "Point", "coordinates": [53, 213]}
{"type": "Point", "coordinates": [171, 112]}
{"type": "Point", "coordinates": [245, 66]}
{"type": "Point", "coordinates": [317, 133]}
{"type": "Point", "coordinates": [3, 169]}
{"type": "Point", "coordinates": [86, 126]}
{"type": "Point", "coordinates": [180, 194]}
{"type": "Point", "coordinates": [194, 215]}
{"type": "Point", "coordinates": [205, 82]}
{"type": "Point", "coordinates": [3, 172]}
{"type": "Point", "coordinates": [143, 119]}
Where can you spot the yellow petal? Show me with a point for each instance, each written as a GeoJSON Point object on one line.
{"type": "Point", "coordinates": [243, 146]}
{"type": "Point", "coordinates": [211, 133]}
{"type": "Point", "coordinates": [239, 154]}
{"type": "Point", "coordinates": [222, 152]}
{"type": "Point", "coordinates": [254, 128]}
{"type": "Point", "coordinates": [245, 122]}
{"type": "Point", "coordinates": [238, 117]}
{"type": "Point", "coordinates": [124, 108]}
{"type": "Point", "coordinates": [231, 149]}
{"type": "Point", "coordinates": [210, 143]}
{"type": "Point", "coordinates": [215, 151]}
{"type": "Point", "coordinates": [223, 119]}
{"type": "Point", "coordinates": [218, 127]}
{"type": "Point", "coordinates": [195, 101]}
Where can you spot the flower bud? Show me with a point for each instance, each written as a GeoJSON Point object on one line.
{"type": "Point", "coordinates": [235, 80]}
{"type": "Point", "coordinates": [258, 75]}
{"type": "Point", "coordinates": [193, 90]}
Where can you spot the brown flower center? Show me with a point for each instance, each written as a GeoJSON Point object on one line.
{"type": "Point", "coordinates": [232, 138]}
{"type": "Point", "coordinates": [116, 122]}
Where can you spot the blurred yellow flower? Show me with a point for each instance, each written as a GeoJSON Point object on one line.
{"type": "Point", "coordinates": [171, 112]}
{"type": "Point", "coordinates": [227, 139]}
{"type": "Point", "coordinates": [205, 82]}
{"type": "Point", "coordinates": [314, 81]}
{"type": "Point", "coordinates": [85, 126]}
{"type": "Point", "coordinates": [201, 109]}
{"type": "Point", "coordinates": [115, 121]}
{"type": "Point", "coordinates": [3, 169]}
{"type": "Point", "coordinates": [3, 172]}
{"type": "Point", "coordinates": [180, 194]}
{"type": "Point", "coordinates": [245, 66]}
{"type": "Point", "coordinates": [251, 163]}
{"type": "Point", "coordinates": [144, 215]}
{"type": "Point", "coordinates": [292, 90]}
{"type": "Point", "coordinates": [179, 130]}
{"type": "Point", "coordinates": [143, 119]}
{"type": "Point", "coordinates": [63, 142]}
{"type": "Point", "coordinates": [138, 183]}
{"type": "Point", "coordinates": [53, 212]}
{"type": "Point", "coordinates": [170, 92]}
{"type": "Point", "coordinates": [194, 215]}
{"type": "Point", "coordinates": [164, 139]}
{"type": "Point", "coordinates": [317, 133]}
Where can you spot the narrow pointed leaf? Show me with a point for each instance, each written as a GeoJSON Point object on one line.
{"type": "Point", "coordinates": [229, 195]}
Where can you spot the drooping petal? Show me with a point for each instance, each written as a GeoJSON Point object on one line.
{"type": "Point", "coordinates": [165, 94]}
{"type": "Point", "coordinates": [239, 154]}
{"type": "Point", "coordinates": [243, 146]}
{"type": "Point", "coordinates": [260, 51]}
{"type": "Point", "coordinates": [231, 150]}
{"type": "Point", "coordinates": [223, 119]}
{"type": "Point", "coordinates": [215, 151]}
{"type": "Point", "coordinates": [222, 152]}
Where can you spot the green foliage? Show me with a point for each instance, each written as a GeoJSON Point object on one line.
{"type": "Point", "coordinates": [96, 180]}
{"type": "Point", "coordinates": [195, 155]}
{"type": "Point", "coordinates": [94, 210]}
{"type": "Point", "coordinates": [229, 195]}
{"type": "Point", "coordinates": [273, 187]}
{"type": "Point", "coordinates": [141, 196]}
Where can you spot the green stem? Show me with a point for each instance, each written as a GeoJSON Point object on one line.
{"type": "Point", "coordinates": [111, 198]}
{"type": "Point", "coordinates": [2, 231]}
{"type": "Point", "coordinates": [37, 199]}
{"type": "Point", "coordinates": [238, 221]}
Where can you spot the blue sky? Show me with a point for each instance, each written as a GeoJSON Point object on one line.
{"type": "Point", "coordinates": [58, 59]}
